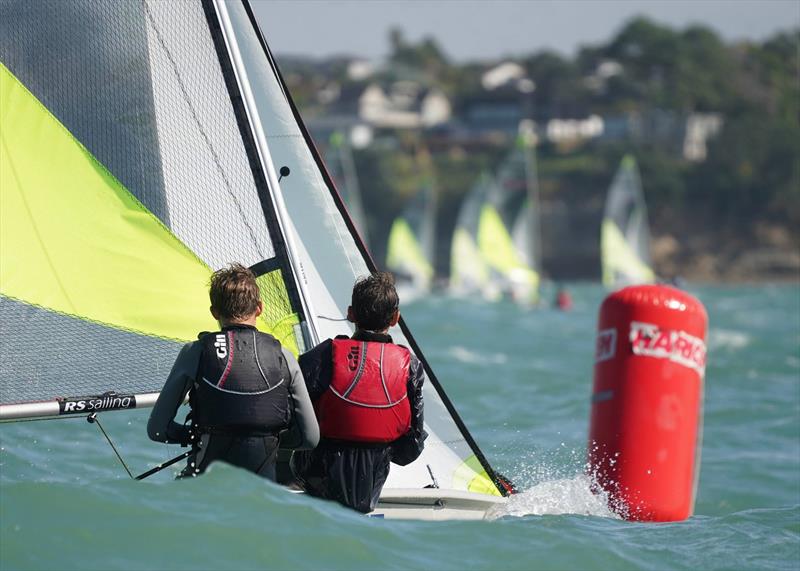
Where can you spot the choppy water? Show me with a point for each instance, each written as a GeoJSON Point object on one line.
{"type": "Point", "coordinates": [521, 381]}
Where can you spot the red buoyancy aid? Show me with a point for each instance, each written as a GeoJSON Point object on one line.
{"type": "Point", "coordinates": [367, 400]}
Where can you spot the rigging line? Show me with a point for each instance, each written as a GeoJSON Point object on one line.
{"type": "Point", "coordinates": [92, 419]}
{"type": "Point", "coordinates": [203, 134]}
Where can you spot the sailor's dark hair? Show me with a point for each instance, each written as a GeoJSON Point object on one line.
{"type": "Point", "coordinates": [234, 292]}
{"type": "Point", "coordinates": [375, 301]}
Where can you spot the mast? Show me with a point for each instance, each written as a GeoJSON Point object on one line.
{"type": "Point", "coordinates": [532, 183]}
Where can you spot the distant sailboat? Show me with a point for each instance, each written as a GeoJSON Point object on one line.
{"type": "Point", "coordinates": [469, 270]}
{"type": "Point", "coordinates": [518, 182]}
{"type": "Point", "coordinates": [525, 237]}
{"type": "Point", "coordinates": [484, 258]}
{"type": "Point", "coordinates": [625, 233]}
{"type": "Point", "coordinates": [410, 250]}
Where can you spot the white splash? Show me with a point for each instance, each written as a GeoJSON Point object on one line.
{"type": "Point", "coordinates": [556, 497]}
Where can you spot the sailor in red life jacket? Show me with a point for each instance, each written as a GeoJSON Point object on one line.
{"type": "Point", "coordinates": [367, 393]}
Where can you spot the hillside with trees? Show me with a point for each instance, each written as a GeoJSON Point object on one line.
{"type": "Point", "coordinates": [729, 211]}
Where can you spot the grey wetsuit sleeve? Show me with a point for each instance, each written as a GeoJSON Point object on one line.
{"type": "Point", "coordinates": [304, 432]}
{"type": "Point", "coordinates": [162, 426]}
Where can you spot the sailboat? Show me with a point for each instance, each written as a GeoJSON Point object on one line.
{"type": "Point", "coordinates": [525, 236]}
{"type": "Point", "coordinates": [518, 205]}
{"type": "Point", "coordinates": [160, 144]}
{"type": "Point", "coordinates": [485, 256]}
{"type": "Point", "coordinates": [624, 232]}
{"type": "Point", "coordinates": [470, 272]}
{"type": "Point", "coordinates": [410, 249]}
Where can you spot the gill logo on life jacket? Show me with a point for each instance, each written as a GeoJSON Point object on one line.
{"type": "Point", "coordinates": [353, 357]}
{"type": "Point", "coordinates": [221, 345]}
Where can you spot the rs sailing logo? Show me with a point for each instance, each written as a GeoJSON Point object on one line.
{"type": "Point", "coordinates": [93, 404]}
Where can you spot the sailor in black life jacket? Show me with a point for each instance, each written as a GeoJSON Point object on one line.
{"type": "Point", "coordinates": [244, 388]}
{"type": "Point", "coordinates": [367, 393]}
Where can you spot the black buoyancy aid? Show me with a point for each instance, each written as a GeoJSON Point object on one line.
{"type": "Point", "coordinates": [367, 400]}
{"type": "Point", "coordinates": [242, 383]}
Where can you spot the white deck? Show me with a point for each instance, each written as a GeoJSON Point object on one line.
{"type": "Point", "coordinates": [434, 504]}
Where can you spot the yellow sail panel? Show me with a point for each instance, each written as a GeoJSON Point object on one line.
{"type": "Point", "coordinates": [278, 318]}
{"type": "Point", "coordinates": [405, 252]}
{"type": "Point", "coordinates": [75, 241]}
{"type": "Point", "coordinates": [497, 248]}
{"type": "Point", "coordinates": [467, 267]}
{"type": "Point", "coordinates": [619, 259]}
{"type": "Point", "coordinates": [470, 475]}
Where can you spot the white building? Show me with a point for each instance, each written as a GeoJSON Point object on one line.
{"type": "Point", "coordinates": [563, 130]}
{"type": "Point", "coordinates": [699, 128]}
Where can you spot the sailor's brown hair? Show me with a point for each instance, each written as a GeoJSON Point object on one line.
{"type": "Point", "coordinates": [234, 292]}
{"type": "Point", "coordinates": [375, 301]}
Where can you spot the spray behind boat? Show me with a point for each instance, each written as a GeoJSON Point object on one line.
{"type": "Point", "coordinates": [646, 422]}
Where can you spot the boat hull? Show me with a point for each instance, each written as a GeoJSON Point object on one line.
{"type": "Point", "coordinates": [433, 504]}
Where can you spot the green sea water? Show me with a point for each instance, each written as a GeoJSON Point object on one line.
{"type": "Point", "coordinates": [521, 381]}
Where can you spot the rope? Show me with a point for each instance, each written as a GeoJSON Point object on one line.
{"type": "Point", "coordinates": [92, 419]}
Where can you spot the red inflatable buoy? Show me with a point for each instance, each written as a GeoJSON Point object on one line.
{"type": "Point", "coordinates": [646, 425]}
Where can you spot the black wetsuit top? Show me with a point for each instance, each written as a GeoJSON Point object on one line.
{"type": "Point", "coordinates": [354, 473]}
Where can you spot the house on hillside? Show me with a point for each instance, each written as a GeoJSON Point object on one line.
{"type": "Point", "coordinates": [506, 74]}
{"type": "Point", "coordinates": [685, 135]}
{"type": "Point", "coordinates": [405, 105]}
{"type": "Point", "coordinates": [573, 130]}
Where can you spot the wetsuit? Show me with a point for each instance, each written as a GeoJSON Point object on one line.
{"type": "Point", "coordinates": [353, 473]}
{"type": "Point", "coordinates": [240, 428]}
